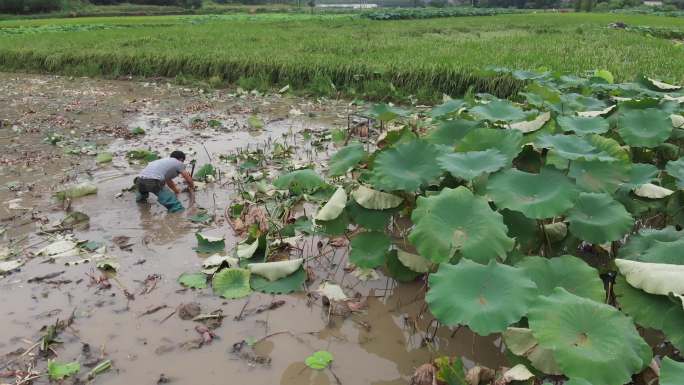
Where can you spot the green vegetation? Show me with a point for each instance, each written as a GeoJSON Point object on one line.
{"type": "Point", "coordinates": [343, 53]}
{"type": "Point", "coordinates": [429, 13]}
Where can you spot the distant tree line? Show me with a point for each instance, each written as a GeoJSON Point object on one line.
{"type": "Point", "coordinates": [42, 6]}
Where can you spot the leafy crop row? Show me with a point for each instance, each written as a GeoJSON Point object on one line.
{"type": "Point", "coordinates": [429, 13]}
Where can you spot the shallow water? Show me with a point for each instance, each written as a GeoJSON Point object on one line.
{"type": "Point", "coordinates": [380, 345]}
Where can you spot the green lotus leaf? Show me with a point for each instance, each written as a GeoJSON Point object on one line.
{"type": "Point", "coordinates": [583, 125]}
{"type": "Point", "coordinates": [671, 372]}
{"type": "Point", "coordinates": [346, 158]}
{"type": "Point", "coordinates": [673, 326]}
{"type": "Point", "coordinates": [556, 232]}
{"type": "Point", "coordinates": [521, 342]}
{"type": "Point", "coordinates": [598, 218]}
{"type": "Point", "coordinates": [469, 165]}
{"type": "Point", "coordinates": [406, 166]}
{"type": "Point", "coordinates": [274, 271]}
{"type": "Point", "coordinates": [286, 285]}
{"type": "Point", "coordinates": [653, 278]}
{"type": "Point", "coordinates": [414, 261]}
{"type": "Point", "coordinates": [337, 226]}
{"type": "Point", "coordinates": [676, 170]}
{"type": "Point", "coordinates": [450, 371]}
{"type": "Point", "coordinates": [386, 113]}
{"type": "Point", "coordinates": [204, 172]}
{"type": "Point", "coordinates": [486, 298]}
{"type": "Point", "coordinates": [596, 176]}
{"type": "Point", "coordinates": [640, 174]}
{"type": "Point", "coordinates": [255, 122]}
{"type": "Point", "coordinates": [209, 245]}
{"type": "Point", "coordinates": [369, 219]}
{"type": "Point", "coordinates": [319, 360]}
{"type": "Point", "coordinates": [375, 200]}
{"type": "Point", "coordinates": [299, 181]}
{"type": "Point", "coordinates": [568, 272]}
{"type": "Point", "coordinates": [543, 195]}
{"type": "Point", "coordinates": [573, 147]}
{"type": "Point", "coordinates": [455, 220]}
{"type": "Point", "coordinates": [447, 108]}
{"type": "Point", "coordinates": [450, 132]}
{"type": "Point", "coordinates": [397, 270]}
{"type": "Point", "coordinates": [646, 309]}
{"type": "Point", "coordinates": [58, 371]}
{"type": "Point", "coordinates": [656, 246]}
{"type": "Point", "coordinates": [577, 381]}
{"type": "Point", "coordinates": [657, 85]}
{"type": "Point", "coordinates": [578, 102]}
{"type": "Point", "coordinates": [507, 142]}
{"type": "Point", "coordinates": [193, 280]}
{"type": "Point", "coordinates": [527, 126]}
{"type": "Point", "coordinates": [499, 110]}
{"type": "Point", "coordinates": [605, 75]}
{"type": "Point", "coordinates": [523, 229]}
{"type": "Point", "coordinates": [232, 283]}
{"type": "Point", "coordinates": [609, 146]}
{"type": "Point", "coordinates": [368, 249]}
{"type": "Point", "coordinates": [649, 127]}
{"type": "Point", "coordinates": [589, 340]}
{"type": "Point", "coordinates": [334, 207]}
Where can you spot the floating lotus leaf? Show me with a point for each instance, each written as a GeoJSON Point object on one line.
{"type": "Point", "coordinates": [209, 245]}
{"type": "Point", "coordinates": [286, 285]}
{"type": "Point", "coordinates": [598, 218]}
{"type": "Point", "coordinates": [457, 221]}
{"type": "Point", "coordinates": [568, 272]}
{"type": "Point", "coordinates": [469, 165]}
{"type": "Point", "coordinates": [346, 158]}
{"type": "Point", "coordinates": [573, 147]}
{"type": "Point", "coordinates": [369, 219]}
{"type": "Point", "coordinates": [212, 263]}
{"type": "Point", "coordinates": [334, 207]}
{"type": "Point", "coordinates": [406, 166]}
{"type": "Point", "coordinates": [543, 195]}
{"type": "Point", "coordinates": [589, 340]}
{"type": "Point", "coordinates": [528, 126]}
{"type": "Point", "coordinates": [671, 372]}
{"type": "Point", "coordinates": [193, 280]}
{"type": "Point", "coordinates": [596, 176]}
{"type": "Point", "coordinates": [486, 298]}
{"type": "Point", "coordinates": [499, 110]}
{"type": "Point", "coordinates": [414, 261]}
{"type": "Point", "coordinates": [652, 191]}
{"type": "Point", "coordinates": [521, 342]}
{"type": "Point", "coordinates": [274, 271]}
{"type": "Point", "coordinates": [319, 360]}
{"type": "Point", "coordinates": [375, 200]}
{"type": "Point", "coordinates": [649, 127]}
{"type": "Point", "coordinates": [59, 371]}
{"type": "Point", "coordinates": [446, 109]}
{"type": "Point", "coordinates": [299, 181]}
{"type": "Point", "coordinates": [507, 142]}
{"type": "Point", "coordinates": [450, 132]}
{"type": "Point", "coordinates": [676, 170]}
{"type": "Point", "coordinates": [646, 309]}
{"type": "Point", "coordinates": [232, 283]}
{"type": "Point", "coordinates": [581, 125]}
{"type": "Point", "coordinates": [653, 278]}
{"type": "Point", "coordinates": [368, 250]}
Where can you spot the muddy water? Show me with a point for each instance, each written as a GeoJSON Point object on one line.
{"type": "Point", "coordinates": [380, 345]}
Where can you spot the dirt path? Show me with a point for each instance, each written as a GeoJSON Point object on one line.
{"type": "Point", "coordinates": [379, 345]}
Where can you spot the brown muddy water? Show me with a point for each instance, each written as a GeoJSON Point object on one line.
{"type": "Point", "coordinates": [380, 345]}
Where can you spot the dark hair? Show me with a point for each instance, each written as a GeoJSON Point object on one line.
{"type": "Point", "coordinates": [180, 155]}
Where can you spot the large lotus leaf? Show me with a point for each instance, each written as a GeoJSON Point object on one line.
{"type": "Point", "coordinates": [649, 127]}
{"type": "Point", "coordinates": [673, 326]}
{"type": "Point", "coordinates": [499, 110]}
{"type": "Point", "coordinates": [523, 229]}
{"type": "Point", "coordinates": [657, 85]}
{"type": "Point", "coordinates": [286, 285]}
{"type": "Point", "coordinates": [583, 125]}
{"type": "Point", "coordinates": [573, 147]}
{"type": "Point", "coordinates": [385, 112]}
{"type": "Point", "coordinates": [414, 261]}
{"type": "Point", "coordinates": [527, 126]}
{"type": "Point", "coordinates": [647, 238]}
{"type": "Point", "coordinates": [568, 272]}
{"type": "Point", "coordinates": [486, 298]}
{"type": "Point", "coordinates": [375, 200]}
{"type": "Point", "coordinates": [676, 170]}
{"type": "Point", "coordinates": [368, 219]}
{"type": "Point", "coordinates": [646, 309]}
{"type": "Point", "coordinates": [334, 207]}
{"type": "Point", "coordinates": [653, 278]}
{"type": "Point", "coordinates": [274, 271]}
{"type": "Point", "coordinates": [231, 283]}
{"type": "Point", "coordinates": [368, 249]}
{"type": "Point", "coordinates": [209, 245]}
{"type": "Point", "coordinates": [446, 109]}
{"type": "Point", "coordinates": [193, 280]}
{"type": "Point", "coordinates": [521, 342]}
{"type": "Point", "coordinates": [406, 166]}
{"type": "Point", "coordinates": [456, 220]}
{"type": "Point", "coordinates": [640, 174]}
{"type": "Point", "coordinates": [598, 218]}
{"type": "Point", "coordinates": [397, 270]}
{"type": "Point", "coordinates": [469, 165]}
{"type": "Point", "coordinates": [578, 102]}
{"type": "Point", "coordinates": [346, 158]}
{"type": "Point", "coordinates": [337, 226]}
{"type": "Point", "coordinates": [299, 181]}
{"type": "Point", "coordinates": [449, 132]}
{"type": "Point", "coordinates": [671, 372]}
{"type": "Point", "coordinates": [543, 195]}
{"type": "Point", "coordinates": [596, 176]}
{"type": "Point", "coordinates": [652, 191]}
{"type": "Point", "coordinates": [590, 340]}
{"type": "Point", "coordinates": [609, 146]}
{"type": "Point", "coordinates": [507, 142]}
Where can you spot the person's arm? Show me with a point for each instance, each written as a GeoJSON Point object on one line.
{"type": "Point", "coordinates": [172, 186]}
{"type": "Point", "coordinates": [188, 180]}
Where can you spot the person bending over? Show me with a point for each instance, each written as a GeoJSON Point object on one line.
{"type": "Point", "coordinates": [159, 174]}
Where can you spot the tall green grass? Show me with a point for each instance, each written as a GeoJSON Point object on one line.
{"type": "Point", "coordinates": [442, 55]}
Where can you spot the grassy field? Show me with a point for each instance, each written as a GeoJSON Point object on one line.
{"type": "Point", "coordinates": [355, 54]}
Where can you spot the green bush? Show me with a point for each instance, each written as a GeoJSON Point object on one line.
{"type": "Point", "coordinates": [29, 6]}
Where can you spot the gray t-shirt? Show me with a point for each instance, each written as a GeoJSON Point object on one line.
{"type": "Point", "coordinates": [163, 169]}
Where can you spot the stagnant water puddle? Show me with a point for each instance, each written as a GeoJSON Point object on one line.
{"type": "Point", "coordinates": [147, 342]}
